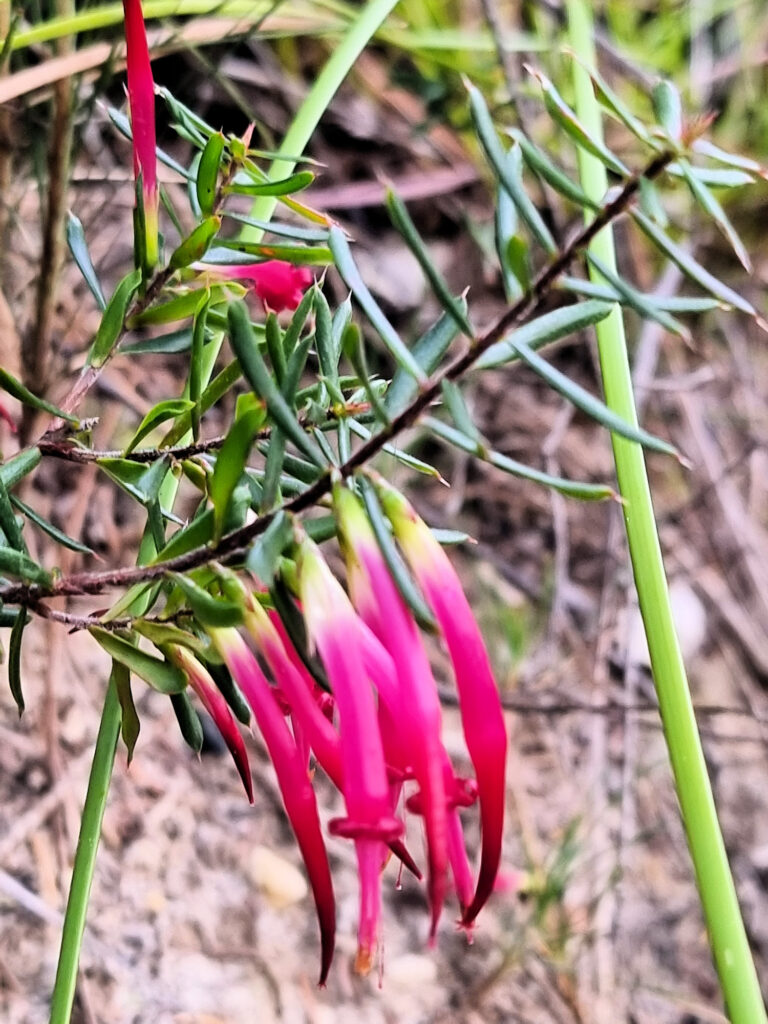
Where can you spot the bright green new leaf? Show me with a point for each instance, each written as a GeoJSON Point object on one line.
{"type": "Point", "coordinates": [230, 463]}
{"type": "Point", "coordinates": [208, 173]}
{"type": "Point", "coordinates": [208, 609]}
{"type": "Point", "coordinates": [113, 320]}
{"type": "Point", "coordinates": [163, 411]}
{"type": "Point", "coordinates": [160, 675]}
{"type": "Point", "coordinates": [194, 247]}
{"type": "Point", "coordinates": [244, 186]}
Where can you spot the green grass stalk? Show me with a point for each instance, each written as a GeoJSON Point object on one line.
{"type": "Point", "coordinates": [728, 939]}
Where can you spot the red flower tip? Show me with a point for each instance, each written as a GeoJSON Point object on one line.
{"type": "Point", "coordinates": [205, 688]}
{"type": "Point", "coordinates": [141, 99]}
{"type": "Point", "coordinates": [278, 284]}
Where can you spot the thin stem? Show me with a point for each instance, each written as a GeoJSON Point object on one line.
{"type": "Point", "coordinates": [85, 859]}
{"type": "Point", "coordinates": [716, 888]}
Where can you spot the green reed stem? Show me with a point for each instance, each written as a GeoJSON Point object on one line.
{"type": "Point", "coordinates": [717, 892]}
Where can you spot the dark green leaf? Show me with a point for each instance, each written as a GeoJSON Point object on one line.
{"type": "Point", "coordinates": [47, 527]}
{"type": "Point", "coordinates": [112, 322]}
{"type": "Point", "coordinates": [196, 371]}
{"type": "Point", "coordinates": [231, 692]}
{"type": "Point", "coordinates": [129, 720]}
{"type": "Point", "coordinates": [20, 566]}
{"type": "Point", "coordinates": [179, 307]}
{"type": "Point", "coordinates": [79, 249]}
{"type": "Point", "coordinates": [402, 221]}
{"type": "Point", "coordinates": [140, 481]}
{"type": "Point", "coordinates": [160, 675]}
{"type": "Point", "coordinates": [160, 633]}
{"type": "Point", "coordinates": [189, 721]}
{"type": "Point", "coordinates": [428, 353]}
{"type": "Point", "coordinates": [252, 364]}
{"type": "Point", "coordinates": [571, 488]}
{"type": "Point", "coordinates": [540, 164]}
{"type": "Point", "coordinates": [8, 523]}
{"type": "Point", "coordinates": [281, 229]}
{"type": "Point", "coordinates": [14, 659]}
{"type": "Point", "coordinates": [16, 469]}
{"type": "Point", "coordinates": [165, 344]}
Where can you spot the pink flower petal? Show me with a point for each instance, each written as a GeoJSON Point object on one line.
{"type": "Point", "coordinates": [141, 98]}
{"type": "Point", "coordinates": [278, 284]}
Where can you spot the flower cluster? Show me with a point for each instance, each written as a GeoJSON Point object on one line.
{"type": "Point", "coordinates": [373, 721]}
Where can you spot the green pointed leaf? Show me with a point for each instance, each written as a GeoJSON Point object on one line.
{"type": "Point", "coordinates": [161, 675]}
{"type": "Point", "coordinates": [279, 228]}
{"type": "Point", "coordinates": [16, 389]}
{"type": "Point", "coordinates": [571, 488]}
{"type": "Point", "coordinates": [123, 125]}
{"type": "Point", "coordinates": [670, 303]}
{"type": "Point", "coordinates": [301, 255]}
{"type": "Point", "coordinates": [208, 173]}
{"type": "Point", "coordinates": [397, 453]}
{"type": "Point", "coordinates": [715, 177]}
{"type": "Point", "coordinates": [508, 169]}
{"type": "Point", "coordinates": [641, 304]}
{"type": "Point", "coordinates": [165, 344]}
{"type": "Point", "coordinates": [616, 106]}
{"type": "Point", "coordinates": [547, 328]}
{"type": "Point", "coordinates": [450, 537]}
{"type": "Point", "coordinates": [194, 247]}
{"type": "Point", "coordinates": [230, 463]}
{"type": "Point", "coordinates": [197, 375]}
{"type": "Point", "coordinates": [689, 266]}
{"type": "Point", "coordinates": [402, 578]}
{"type": "Point", "coordinates": [651, 204]}
{"type": "Point", "coordinates": [160, 413]}
{"type": "Point", "coordinates": [428, 353]}
{"type": "Point", "coordinates": [160, 633]}
{"type": "Point", "coordinates": [208, 610]}
{"type": "Point", "coordinates": [47, 527]}
{"type": "Point", "coordinates": [187, 118]}
{"type": "Point", "coordinates": [14, 659]}
{"type": "Point", "coordinates": [16, 469]}
{"type": "Point", "coordinates": [562, 114]}
{"type": "Point", "coordinates": [140, 481]}
{"type": "Point", "coordinates": [712, 207]}
{"type": "Point", "coordinates": [244, 186]}
{"type": "Point", "coordinates": [231, 692]}
{"type": "Point", "coordinates": [264, 555]}
{"type": "Point", "coordinates": [190, 725]}
{"type": "Point", "coordinates": [112, 322]}
{"type": "Point", "coordinates": [179, 307]}
{"type": "Point", "coordinates": [20, 566]}
{"type": "Point", "coordinates": [540, 164]}
{"type": "Point", "coordinates": [129, 718]}
{"type": "Point", "coordinates": [505, 223]}
{"type": "Point", "coordinates": [346, 266]}
{"type": "Point", "coordinates": [590, 405]}
{"type": "Point", "coordinates": [668, 109]}
{"type": "Point", "coordinates": [79, 249]}
{"type": "Point", "coordinates": [457, 407]}
{"type": "Point", "coordinates": [8, 522]}
{"type": "Point", "coordinates": [253, 366]}
{"type": "Point", "coordinates": [706, 148]}
{"type": "Point", "coordinates": [402, 221]}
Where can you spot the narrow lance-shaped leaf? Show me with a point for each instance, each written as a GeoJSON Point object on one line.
{"type": "Point", "coordinates": [8, 523]}
{"type": "Point", "coordinates": [47, 527]}
{"type": "Point", "coordinates": [557, 179]}
{"type": "Point", "coordinates": [712, 207]}
{"type": "Point", "coordinates": [20, 566]}
{"type": "Point", "coordinates": [428, 353]}
{"type": "Point", "coordinates": [690, 266]}
{"type": "Point", "coordinates": [190, 726]}
{"type": "Point", "coordinates": [158, 673]}
{"type": "Point", "coordinates": [129, 719]}
{"type": "Point", "coordinates": [590, 405]}
{"type": "Point", "coordinates": [79, 249]}
{"type": "Point", "coordinates": [230, 463]}
{"type": "Point", "coordinates": [160, 413]}
{"type": "Point", "coordinates": [208, 609]}
{"type": "Point", "coordinates": [16, 469]}
{"type": "Point", "coordinates": [668, 109]}
{"type": "Point", "coordinates": [671, 303]}
{"type": "Point", "coordinates": [744, 163]}
{"type": "Point", "coordinates": [638, 301]}
{"type": "Point", "coordinates": [255, 370]}
{"type": "Point", "coordinates": [243, 186]}
{"type": "Point", "coordinates": [402, 221]}
{"type": "Point", "coordinates": [112, 322]}
{"type": "Point", "coordinates": [208, 173]}
{"type": "Point", "coordinates": [570, 488]}
{"type": "Point", "coordinates": [549, 327]}
{"type": "Point", "coordinates": [507, 166]}
{"type": "Point", "coordinates": [14, 659]}
{"type": "Point", "coordinates": [351, 275]}
{"type": "Point", "coordinates": [562, 114]}
{"type": "Point", "coordinates": [16, 389]}
{"type": "Point", "coordinates": [194, 247]}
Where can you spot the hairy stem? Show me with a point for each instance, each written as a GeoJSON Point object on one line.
{"type": "Point", "coordinates": [718, 895]}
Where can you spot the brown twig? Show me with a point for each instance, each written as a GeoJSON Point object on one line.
{"type": "Point", "coordinates": [235, 543]}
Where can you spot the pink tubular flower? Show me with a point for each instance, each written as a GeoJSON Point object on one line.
{"type": "Point", "coordinates": [416, 707]}
{"type": "Point", "coordinates": [205, 688]}
{"type": "Point", "coordinates": [298, 795]}
{"type": "Point", "coordinates": [481, 712]}
{"type": "Point", "coordinates": [278, 284]}
{"type": "Point", "coordinates": [333, 628]}
{"type": "Point", "coordinates": [141, 98]}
